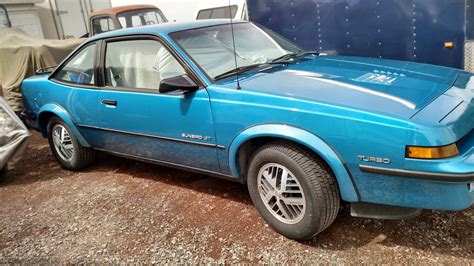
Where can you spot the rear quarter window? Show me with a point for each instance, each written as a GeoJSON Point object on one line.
{"type": "Point", "coordinates": [80, 69]}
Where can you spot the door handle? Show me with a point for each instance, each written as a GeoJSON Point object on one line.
{"type": "Point", "coordinates": [109, 102]}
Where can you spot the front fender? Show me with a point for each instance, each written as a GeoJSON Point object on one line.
{"type": "Point", "coordinates": [324, 150]}
{"type": "Point", "coordinates": [54, 109]}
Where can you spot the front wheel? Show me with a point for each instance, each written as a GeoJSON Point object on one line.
{"type": "Point", "coordinates": [294, 192]}
{"type": "Point", "coordinates": [65, 147]}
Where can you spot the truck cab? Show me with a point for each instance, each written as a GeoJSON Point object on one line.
{"type": "Point", "coordinates": [125, 17]}
{"type": "Point", "coordinates": [212, 9]}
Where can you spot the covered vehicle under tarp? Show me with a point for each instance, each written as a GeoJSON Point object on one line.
{"type": "Point", "coordinates": [13, 137]}
{"type": "Point", "coordinates": [21, 56]}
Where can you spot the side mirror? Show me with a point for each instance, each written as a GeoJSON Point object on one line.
{"type": "Point", "coordinates": [179, 83]}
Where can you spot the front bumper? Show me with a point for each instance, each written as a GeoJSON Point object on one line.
{"type": "Point", "coordinates": [414, 192]}
{"type": "Point", "coordinates": [447, 177]}
{"type": "Point", "coordinates": [427, 184]}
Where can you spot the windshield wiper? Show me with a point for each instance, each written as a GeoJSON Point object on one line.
{"type": "Point", "coordinates": [289, 56]}
{"type": "Point", "coordinates": [236, 71]}
{"type": "Point", "coordinates": [285, 57]}
{"type": "Point", "coordinates": [280, 60]}
{"type": "Point", "coordinates": [243, 69]}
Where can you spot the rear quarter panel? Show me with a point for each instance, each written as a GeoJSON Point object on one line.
{"type": "Point", "coordinates": [42, 95]}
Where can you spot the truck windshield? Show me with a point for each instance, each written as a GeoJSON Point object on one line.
{"type": "Point", "coordinates": [141, 17]}
{"type": "Point", "coordinates": [212, 47]}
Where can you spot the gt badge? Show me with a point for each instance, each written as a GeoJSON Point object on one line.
{"type": "Point", "coordinates": [199, 137]}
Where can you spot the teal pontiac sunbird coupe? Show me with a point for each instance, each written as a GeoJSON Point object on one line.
{"type": "Point", "coordinates": [303, 130]}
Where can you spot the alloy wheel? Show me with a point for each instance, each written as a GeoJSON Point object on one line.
{"type": "Point", "coordinates": [63, 143]}
{"type": "Point", "coordinates": [281, 193]}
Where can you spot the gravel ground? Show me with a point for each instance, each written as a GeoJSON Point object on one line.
{"type": "Point", "coordinates": [125, 211]}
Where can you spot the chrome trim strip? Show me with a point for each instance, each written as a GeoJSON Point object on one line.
{"type": "Point", "coordinates": [155, 137]}
{"type": "Point", "coordinates": [173, 165]}
{"type": "Point", "coordinates": [448, 177]}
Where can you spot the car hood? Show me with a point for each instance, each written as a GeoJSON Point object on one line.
{"type": "Point", "coordinates": [396, 88]}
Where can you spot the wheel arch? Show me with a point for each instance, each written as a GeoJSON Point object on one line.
{"type": "Point", "coordinates": [50, 110]}
{"type": "Point", "coordinates": [269, 132]}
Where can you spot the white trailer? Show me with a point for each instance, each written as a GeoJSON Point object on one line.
{"type": "Point", "coordinates": [64, 19]}
{"type": "Point", "coordinates": [4, 18]}
{"type": "Point", "coordinates": [23, 14]}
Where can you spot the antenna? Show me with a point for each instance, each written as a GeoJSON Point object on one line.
{"type": "Point", "coordinates": [233, 42]}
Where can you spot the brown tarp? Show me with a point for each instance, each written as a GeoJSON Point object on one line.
{"type": "Point", "coordinates": [21, 56]}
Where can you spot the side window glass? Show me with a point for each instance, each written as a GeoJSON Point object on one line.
{"type": "Point", "coordinates": [204, 14]}
{"type": "Point", "coordinates": [101, 25]}
{"type": "Point", "coordinates": [123, 22]}
{"type": "Point", "coordinates": [220, 13]}
{"type": "Point", "coordinates": [216, 13]}
{"type": "Point", "coordinates": [136, 21]}
{"type": "Point", "coordinates": [140, 64]}
{"type": "Point", "coordinates": [80, 69]}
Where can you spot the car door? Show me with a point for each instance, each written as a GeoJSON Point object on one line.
{"type": "Point", "coordinates": [74, 87]}
{"type": "Point", "coordinates": [137, 120]}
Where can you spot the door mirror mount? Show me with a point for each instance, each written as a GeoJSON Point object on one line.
{"type": "Point", "coordinates": [179, 83]}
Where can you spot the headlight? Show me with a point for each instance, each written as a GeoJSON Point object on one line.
{"type": "Point", "coordinates": [432, 152]}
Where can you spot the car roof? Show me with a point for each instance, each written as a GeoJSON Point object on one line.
{"type": "Point", "coordinates": [116, 10]}
{"type": "Point", "coordinates": [164, 28]}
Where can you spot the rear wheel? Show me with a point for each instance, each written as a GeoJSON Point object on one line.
{"type": "Point", "coordinates": [65, 147]}
{"type": "Point", "coordinates": [294, 192]}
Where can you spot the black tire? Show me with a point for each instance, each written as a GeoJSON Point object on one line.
{"type": "Point", "coordinates": [81, 158]}
{"type": "Point", "coordinates": [316, 180]}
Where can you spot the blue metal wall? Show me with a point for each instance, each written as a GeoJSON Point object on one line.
{"type": "Point", "coordinates": [470, 19]}
{"type": "Point", "coordinates": [414, 30]}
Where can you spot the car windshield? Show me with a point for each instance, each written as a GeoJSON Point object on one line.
{"type": "Point", "coordinates": [212, 47]}
{"type": "Point", "coordinates": [141, 17]}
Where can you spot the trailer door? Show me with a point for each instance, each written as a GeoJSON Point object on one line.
{"type": "Point", "coordinates": [94, 5]}
{"type": "Point", "coordinates": [71, 19]}
{"type": "Point", "coordinates": [27, 20]}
